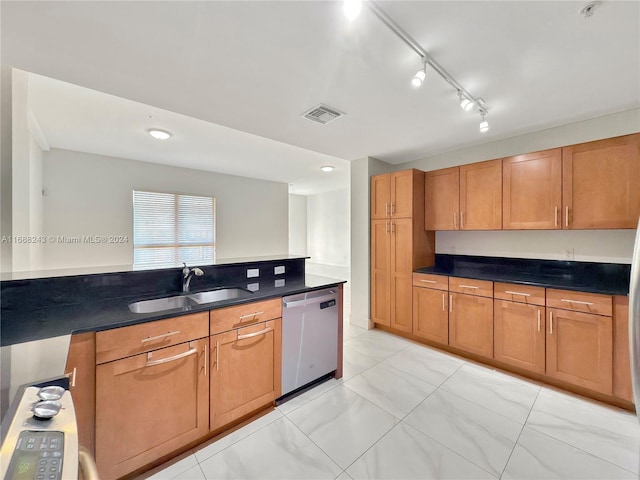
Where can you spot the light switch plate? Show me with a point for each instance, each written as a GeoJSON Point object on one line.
{"type": "Point", "coordinates": [278, 270]}
{"type": "Point", "coordinates": [280, 283]}
{"type": "Point", "coordinates": [253, 272]}
{"type": "Point", "coordinates": [254, 287]}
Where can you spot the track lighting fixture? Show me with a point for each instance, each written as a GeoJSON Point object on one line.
{"type": "Point", "coordinates": [419, 77]}
{"type": "Point", "coordinates": [351, 9]}
{"type": "Point", "coordinates": [484, 125]}
{"type": "Point", "coordinates": [465, 103]}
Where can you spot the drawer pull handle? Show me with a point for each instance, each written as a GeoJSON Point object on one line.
{"type": "Point", "coordinates": [217, 345]}
{"type": "Point", "coordinates": [254, 334]}
{"type": "Point", "coordinates": [428, 281]}
{"type": "Point", "coordinates": [468, 286]}
{"type": "Point", "coordinates": [461, 220]}
{"type": "Point", "coordinates": [538, 319]}
{"type": "Point", "coordinates": [576, 301]}
{"type": "Point", "coordinates": [204, 351]}
{"type": "Point", "coordinates": [450, 303]}
{"type": "Point", "coordinates": [550, 323]}
{"type": "Point", "coordinates": [555, 217]}
{"type": "Point", "coordinates": [386, 228]}
{"type": "Point", "coordinates": [159, 337]}
{"type": "Point", "coordinates": [386, 208]}
{"type": "Point", "coordinates": [392, 209]}
{"type": "Point", "coordinates": [250, 315]}
{"type": "Point", "coordinates": [443, 307]}
{"type": "Point", "coordinates": [517, 293]}
{"type": "Point", "coordinates": [151, 363]}
{"type": "Point", "coordinates": [566, 216]}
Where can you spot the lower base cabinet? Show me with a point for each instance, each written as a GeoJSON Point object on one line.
{"type": "Point", "coordinates": [431, 314]}
{"type": "Point", "coordinates": [519, 335]}
{"type": "Point", "coordinates": [471, 323]}
{"type": "Point", "coordinates": [245, 371]}
{"type": "Point", "coordinates": [579, 349]}
{"type": "Point", "coordinates": [149, 405]}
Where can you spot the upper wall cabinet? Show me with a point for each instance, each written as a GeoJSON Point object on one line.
{"type": "Point", "coordinates": [442, 199]}
{"type": "Point", "coordinates": [532, 191]}
{"type": "Point", "coordinates": [464, 198]}
{"type": "Point", "coordinates": [481, 196]}
{"type": "Point", "coordinates": [601, 183]}
{"type": "Point", "coordinates": [392, 194]}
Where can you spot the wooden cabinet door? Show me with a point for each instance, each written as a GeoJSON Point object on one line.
{"type": "Point", "coordinates": [621, 361]}
{"type": "Point", "coordinates": [431, 315]}
{"type": "Point", "coordinates": [81, 370]}
{"type": "Point", "coordinates": [601, 183]}
{"type": "Point", "coordinates": [579, 349]}
{"type": "Point", "coordinates": [150, 405]}
{"type": "Point", "coordinates": [471, 323]}
{"type": "Point", "coordinates": [481, 196]}
{"type": "Point", "coordinates": [532, 188]}
{"type": "Point", "coordinates": [401, 274]}
{"type": "Point", "coordinates": [402, 193]}
{"type": "Point", "coordinates": [245, 371]}
{"type": "Point", "coordinates": [381, 272]}
{"type": "Point", "coordinates": [381, 196]}
{"type": "Point", "coordinates": [442, 199]}
{"type": "Point", "coordinates": [519, 335]}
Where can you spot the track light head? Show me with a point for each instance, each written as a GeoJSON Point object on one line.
{"type": "Point", "coordinates": [418, 78]}
{"type": "Point", "coordinates": [484, 125]}
{"type": "Point", "coordinates": [465, 103]}
{"type": "Point", "coordinates": [351, 9]}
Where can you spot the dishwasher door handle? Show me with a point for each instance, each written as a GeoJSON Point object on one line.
{"type": "Point", "coordinates": [309, 301]}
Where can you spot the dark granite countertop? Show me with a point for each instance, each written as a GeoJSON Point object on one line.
{"type": "Point", "coordinates": [603, 278]}
{"type": "Point", "coordinates": [27, 324]}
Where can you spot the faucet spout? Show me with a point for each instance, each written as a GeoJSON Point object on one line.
{"type": "Point", "coordinates": [187, 275]}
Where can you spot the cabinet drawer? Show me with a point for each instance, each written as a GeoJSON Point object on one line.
{"type": "Point", "coordinates": [519, 293]}
{"type": "Point", "coordinates": [580, 301]}
{"type": "Point", "coordinates": [481, 288]}
{"type": "Point", "coordinates": [439, 282]}
{"type": "Point", "coordinates": [127, 341]}
{"type": "Point", "coordinates": [228, 318]}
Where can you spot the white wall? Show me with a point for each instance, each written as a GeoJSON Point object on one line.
{"type": "Point", "coordinates": [328, 227]}
{"type": "Point", "coordinates": [90, 194]}
{"type": "Point", "coordinates": [361, 171]}
{"type": "Point", "coordinates": [588, 245]}
{"type": "Point", "coordinates": [5, 167]}
{"type": "Point", "coordinates": [297, 225]}
{"type": "Point", "coordinates": [26, 173]}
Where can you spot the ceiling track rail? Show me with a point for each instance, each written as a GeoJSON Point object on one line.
{"type": "Point", "coordinates": [422, 53]}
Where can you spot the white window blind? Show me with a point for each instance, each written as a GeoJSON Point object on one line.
{"type": "Point", "coordinates": [169, 229]}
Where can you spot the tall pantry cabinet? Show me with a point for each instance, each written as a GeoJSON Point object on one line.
{"type": "Point", "coordinates": [399, 245]}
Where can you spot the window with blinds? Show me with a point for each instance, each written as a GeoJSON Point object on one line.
{"type": "Point", "coordinates": [169, 229]}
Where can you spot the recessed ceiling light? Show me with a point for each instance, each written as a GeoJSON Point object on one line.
{"type": "Point", "coordinates": [159, 134]}
{"type": "Point", "coordinates": [351, 9]}
{"type": "Point", "coordinates": [327, 168]}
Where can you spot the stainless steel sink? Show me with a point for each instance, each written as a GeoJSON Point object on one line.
{"type": "Point", "coordinates": [161, 304]}
{"type": "Point", "coordinates": [216, 295]}
{"type": "Point", "coordinates": [182, 301]}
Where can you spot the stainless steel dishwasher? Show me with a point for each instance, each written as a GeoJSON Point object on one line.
{"type": "Point", "coordinates": [309, 337]}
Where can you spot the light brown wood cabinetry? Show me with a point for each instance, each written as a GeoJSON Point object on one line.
{"type": "Point", "coordinates": [227, 318]}
{"type": "Point", "coordinates": [621, 361]}
{"type": "Point", "coordinates": [431, 309]}
{"type": "Point", "coordinates": [579, 349]}
{"type": "Point", "coordinates": [245, 371]}
{"type": "Point", "coordinates": [601, 183]}
{"type": "Point", "coordinates": [520, 335]}
{"type": "Point", "coordinates": [149, 405]}
{"type": "Point", "coordinates": [393, 195]}
{"type": "Point", "coordinates": [580, 301]}
{"type": "Point", "coordinates": [471, 316]}
{"type": "Point", "coordinates": [399, 245]}
{"type": "Point", "coordinates": [442, 199]}
{"type": "Point", "coordinates": [481, 196]}
{"type": "Point", "coordinates": [532, 191]}
{"type": "Point", "coordinates": [81, 370]}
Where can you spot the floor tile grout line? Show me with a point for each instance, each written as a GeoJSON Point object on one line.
{"type": "Point", "coordinates": [520, 434]}
{"type": "Point", "coordinates": [311, 399]}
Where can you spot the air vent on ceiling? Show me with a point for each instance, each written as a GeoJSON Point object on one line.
{"type": "Point", "coordinates": [322, 114]}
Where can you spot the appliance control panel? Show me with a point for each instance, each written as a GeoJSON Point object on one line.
{"type": "Point", "coordinates": [38, 455]}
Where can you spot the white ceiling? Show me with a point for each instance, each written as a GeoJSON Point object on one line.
{"type": "Point", "coordinates": [256, 66]}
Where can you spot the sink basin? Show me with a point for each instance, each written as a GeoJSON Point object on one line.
{"type": "Point", "coordinates": [161, 304]}
{"type": "Point", "coordinates": [183, 301]}
{"type": "Point", "coordinates": [216, 295]}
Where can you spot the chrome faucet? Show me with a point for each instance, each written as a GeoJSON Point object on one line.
{"type": "Point", "coordinates": [187, 275]}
